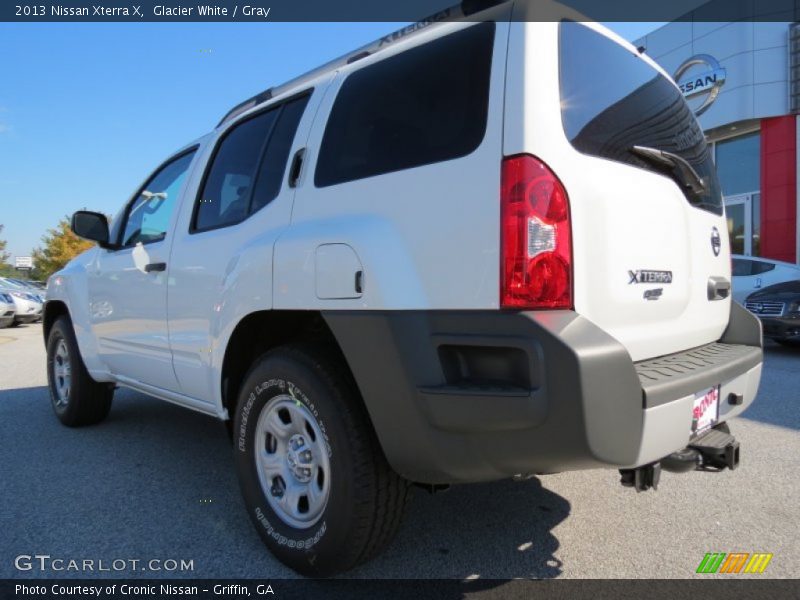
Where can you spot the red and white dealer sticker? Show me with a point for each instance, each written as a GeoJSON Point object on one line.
{"type": "Point", "coordinates": [705, 410]}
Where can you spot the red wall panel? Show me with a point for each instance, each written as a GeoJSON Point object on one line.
{"type": "Point", "coordinates": [779, 188]}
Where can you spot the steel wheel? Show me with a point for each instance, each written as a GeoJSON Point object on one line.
{"type": "Point", "coordinates": [292, 462]}
{"type": "Point", "coordinates": [62, 374]}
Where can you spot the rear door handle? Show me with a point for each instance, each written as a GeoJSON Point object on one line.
{"type": "Point", "coordinates": [155, 267]}
{"type": "Point", "coordinates": [296, 168]}
{"type": "Point", "coordinates": [719, 288]}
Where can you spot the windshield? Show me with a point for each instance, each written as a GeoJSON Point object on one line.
{"type": "Point", "coordinates": [613, 101]}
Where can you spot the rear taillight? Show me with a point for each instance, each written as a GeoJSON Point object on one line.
{"type": "Point", "coordinates": [536, 252]}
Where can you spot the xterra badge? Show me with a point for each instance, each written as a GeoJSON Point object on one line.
{"type": "Point", "coordinates": [650, 276]}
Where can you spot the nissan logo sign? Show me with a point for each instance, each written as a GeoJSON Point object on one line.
{"type": "Point", "coordinates": [701, 76]}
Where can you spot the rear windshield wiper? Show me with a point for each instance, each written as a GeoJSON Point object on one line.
{"type": "Point", "coordinates": [679, 166]}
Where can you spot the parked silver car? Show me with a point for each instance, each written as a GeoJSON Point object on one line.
{"type": "Point", "coordinates": [27, 303]}
{"type": "Point", "coordinates": [7, 310]}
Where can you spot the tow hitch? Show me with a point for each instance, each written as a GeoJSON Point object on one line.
{"type": "Point", "coordinates": [641, 478]}
{"type": "Point", "coordinates": [716, 449]}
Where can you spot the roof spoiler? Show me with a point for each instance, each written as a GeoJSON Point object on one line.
{"type": "Point", "coordinates": [454, 13]}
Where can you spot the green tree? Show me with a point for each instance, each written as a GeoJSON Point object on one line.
{"type": "Point", "coordinates": [6, 270]}
{"type": "Point", "coordinates": [4, 256]}
{"type": "Point", "coordinates": [60, 246]}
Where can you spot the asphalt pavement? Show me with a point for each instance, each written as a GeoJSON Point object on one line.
{"type": "Point", "coordinates": [156, 482]}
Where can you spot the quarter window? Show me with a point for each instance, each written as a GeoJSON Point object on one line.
{"type": "Point", "coordinates": [147, 218]}
{"type": "Point", "coordinates": [425, 105]}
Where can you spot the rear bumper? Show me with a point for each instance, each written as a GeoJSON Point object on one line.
{"type": "Point", "coordinates": [475, 396]}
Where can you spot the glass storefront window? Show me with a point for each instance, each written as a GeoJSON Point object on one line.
{"type": "Point", "coordinates": [738, 163]}
{"type": "Point", "coordinates": [756, 235]}
{"type": "Point", "coordinates": [736, 227]}
{"type": "Point", "coordinates": [743, 213]}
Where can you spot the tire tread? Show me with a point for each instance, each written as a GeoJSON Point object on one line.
{"type": "Point", "coordinates": [90, 401]}
{"type": "Point", "coordinates": [381, 494]}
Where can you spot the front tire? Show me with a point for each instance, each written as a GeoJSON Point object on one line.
{"type": "Point", "coordinates": [314, 478]}
{"type": "Point", "coordinates": [77, 399]}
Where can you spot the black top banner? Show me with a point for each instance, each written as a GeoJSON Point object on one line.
{"type": "Point", "coordinates": [392, 11]}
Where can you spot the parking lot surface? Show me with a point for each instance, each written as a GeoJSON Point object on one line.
{"type": "Point", "coordinates": [156, 481]}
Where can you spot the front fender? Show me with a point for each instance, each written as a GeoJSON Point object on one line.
{"type": "Point", "coordinates": [70, 285]}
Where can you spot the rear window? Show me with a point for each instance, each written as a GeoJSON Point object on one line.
{"type": "Point", "coordinates": [612, 100]}
{"type": "Point", "coordinates": [742, 268]}
{"type": "Point", "coordinates": [760, 267]}
{"type": "Point", "coordinates": [745, 268]}
{"type": "Point", "coordinates": [425, 105]}
{"type": "Point", "coordinates": [226, 192]}
{"type": "Point", "coordinates": [247, 170]}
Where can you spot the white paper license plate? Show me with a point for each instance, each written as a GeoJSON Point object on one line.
{"type": "Point", "coordinates": [705, 410]}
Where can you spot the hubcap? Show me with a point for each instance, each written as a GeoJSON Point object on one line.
{"type": "Point", "coordinates": [292, 461]}
{"type": "Point", "coordinates": [62, 374]}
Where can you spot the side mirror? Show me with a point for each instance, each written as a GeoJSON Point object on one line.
{"type": "Point", "coordinates": [91, 226]}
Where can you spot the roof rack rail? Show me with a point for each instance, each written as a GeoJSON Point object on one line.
{"type": "Point", "coordinates": [246, 105]}
{"type": "Point", "coordinates": [453, 13]}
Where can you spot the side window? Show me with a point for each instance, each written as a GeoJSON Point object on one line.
{"type": "Point", "coordinates": [147, 217]}
{"type": "Point", "coordinates": [273, 165]}
{"type": "Point", "coordinates": [247, 171]}
{"type": "Point", "coordinates": [225, 196]}
{"type": "Point", "coordinates": [742, 268]}
{"type": "Point", "coordinates": [762, 267]}
{"type": "Point", "coordinates": [422, 106]}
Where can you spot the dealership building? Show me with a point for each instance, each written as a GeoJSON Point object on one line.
{"type": "Point", "coordinates": [742, 80]}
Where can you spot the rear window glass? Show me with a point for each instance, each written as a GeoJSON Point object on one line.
{"type": "Point", "coordinates": [225, 198]}
{"type": "Point", "coordinates": [276, 154]}
{"type": "Point", "coordinates": [612, 100]}
{"type": "Point", "coordinates": [742, 268]}
{"type": "Point", "coordinates": [760, 267]}
{"type": "Point", "coordinates": [425, 105]}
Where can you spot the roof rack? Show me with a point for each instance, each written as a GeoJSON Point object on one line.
{"type": "Point", "coordinates": [453, 13]}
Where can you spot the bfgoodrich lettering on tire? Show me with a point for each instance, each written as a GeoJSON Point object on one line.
{"type": "Point", "coordinates": [314, 478]}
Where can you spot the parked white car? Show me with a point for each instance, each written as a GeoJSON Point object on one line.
{"type": "Point", "coordinates": [28, 306]}
{"type": "Point", "coordinates": [456, 256]}
{"type": "Point", "coordinates": [751, 274]}
{"type": "Point", "coordinates": [7, 310]}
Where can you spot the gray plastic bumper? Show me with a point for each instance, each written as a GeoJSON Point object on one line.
{"type": "Point", "coordinates": [479, 395]}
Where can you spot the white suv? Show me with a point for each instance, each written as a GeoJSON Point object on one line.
{"type": "Point", "coordinates": [458, 255]}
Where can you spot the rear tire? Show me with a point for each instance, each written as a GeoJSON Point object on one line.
{"type": "Point", "coordinates": [314, 478]}
{"type": "Point", "coordinates": [77, 399]}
